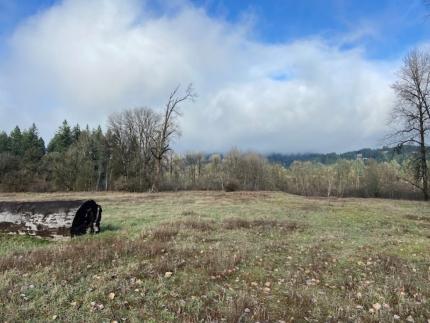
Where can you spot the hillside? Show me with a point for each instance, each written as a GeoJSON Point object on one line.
{"type": "Point", "coordinates": [379, 154]}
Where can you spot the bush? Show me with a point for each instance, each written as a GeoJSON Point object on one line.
{"type": "Point", "coordinates": [231, 186]}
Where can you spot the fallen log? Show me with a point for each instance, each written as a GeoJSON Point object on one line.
{"type": "Point", "coordinates": [50, 219]}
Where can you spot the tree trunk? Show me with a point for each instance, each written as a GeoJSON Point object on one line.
{"type": "Point", "coordinates": [156, 184]}
{"type": "Point", "coordinates": [423, 160]}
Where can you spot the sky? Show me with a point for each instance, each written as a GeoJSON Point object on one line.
{"type": "Point", "coordinates": [271, 76]}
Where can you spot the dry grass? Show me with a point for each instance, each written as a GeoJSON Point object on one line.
{"type": "Point", "coordinates": [165, 233]}
{"type": "Point", "coordinates": [241, 223]}
{"type": "Point", "coordinates": [81, 254]}
{"type": "Point", "coordinates": [417, 217]}
{"type": "Point", "coordinates": [198, 224]}
{"type": "Point", "coordinates": [220, 263]}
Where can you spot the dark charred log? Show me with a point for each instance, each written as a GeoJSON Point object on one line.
{"type": "Point", "coordinates": [87, 219]}
{"type": "Point", "coordinates": [50, 219]}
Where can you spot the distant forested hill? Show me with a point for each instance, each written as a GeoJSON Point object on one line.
{"type": "Point", "coordinates": [380, 155]}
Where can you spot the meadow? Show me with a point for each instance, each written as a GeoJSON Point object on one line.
{"type": "Point", "coordinates": [224, 257]}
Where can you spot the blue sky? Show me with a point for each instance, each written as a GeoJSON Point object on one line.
{"type": "Point", "coordinates": [392, 26]}
{"type": "Point", "coordinates": [13, 12]}
{"type": "Point", "coordinates": [273, 75]}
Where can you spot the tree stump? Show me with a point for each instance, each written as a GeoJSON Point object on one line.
{"type": "Point", "coordinates": [50, 219]}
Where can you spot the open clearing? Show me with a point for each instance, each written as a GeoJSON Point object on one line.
{"type": "Point", "coordinates": [234, 257]}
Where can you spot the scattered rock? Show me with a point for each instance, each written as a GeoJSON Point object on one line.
{"type": "Point", "coordinates": [267, 284]}
{"type": "Point", "coordinates": [73, 303]}
{"type": "Point", "coordinates": [54, 317]}
{"type": "Point", "coordinates": [96, 306]}
{"type": "Point", "coordinates": [168, 274]}
{"type": "Point", "coordinates": [247, 310]}
{"type": "Point", "coordinates": [396, 317]}
{"type": "Point", "coordinates": [266, 290]}
{"type": "Point", "coordinates": [111, 296]}
{"type": "Point", "coordinates": [255, 284]}
{"type": "Point", "coordinates": [410, 319]}
{"type": "Point", "coordinates": [376, 306]}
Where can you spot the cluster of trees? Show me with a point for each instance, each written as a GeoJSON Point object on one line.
{"type": "Point", "coordinates": [130, 155]}
{"type": "Point", "coordinates": [358, 178]}
{"type": "Point", "coordinates": [126, 157]}
{"type": "Point", "coordinates": [21, 154]}
{"type": "Point", "coordinates": [251, 171]}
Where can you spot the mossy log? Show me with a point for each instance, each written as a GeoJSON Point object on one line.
{"type": "Point", "coordinates": [50, 219]}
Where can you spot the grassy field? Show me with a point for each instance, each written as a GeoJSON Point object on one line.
{"type": "Point", "coordinates": [225, 257]}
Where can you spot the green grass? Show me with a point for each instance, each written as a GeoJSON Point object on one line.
{"type": "Point", "coordinates": [234, 257]}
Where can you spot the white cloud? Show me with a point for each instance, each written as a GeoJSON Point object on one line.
{"type": "Point", "coordinates": [82, 60]}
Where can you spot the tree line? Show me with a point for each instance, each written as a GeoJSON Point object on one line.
{"type": "Point", "coordinates": [124, 158]}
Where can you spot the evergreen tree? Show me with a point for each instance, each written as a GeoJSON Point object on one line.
{"type": "Point", "coordinates": [4, 142]}
{"type": "Point", "coordinates": [16, 142]}
{"type": "Point", "coordinates": [62, 140]}
{"type": "Point", "coordinates": [76, 133]}
{"type": "Point", "coordinates": [33, 146]}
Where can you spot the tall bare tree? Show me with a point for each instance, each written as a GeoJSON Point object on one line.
{"type": "Point", "coordinates": [131, 133]}
{"type": "Point", "coordinates": [121, 128]}
{"type": "Point", "coordinates": [146, 121]}
{"type": "Point", "coordinates": [411, 113]}
{"type": "Point", "coordinates": [167, 129]}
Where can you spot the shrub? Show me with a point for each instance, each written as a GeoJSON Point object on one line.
{"type": "Point", "coordinates": [231, 186]}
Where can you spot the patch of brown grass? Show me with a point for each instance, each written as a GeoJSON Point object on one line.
{"type": "Point", "coordinates": [241, 223]}
{"type": "Point", "coordinates": [219, 263]}
{"type": "Point", "coordinates": [165, 232]}
{"type": "Point", "coordinates": [417, 217]}
{"type": "Point", "coordinates": [168, 231]}
{"type": "Point", "coordinates": [189, 213]}
{"type": "Point", "coordinates": [245, 308]}
{"type": "Point", "coordinates": [78, 255]}
{"type": "Point", "coordinates": [198, 224]}
{"type": "Point", "coordinates": [154, 248]}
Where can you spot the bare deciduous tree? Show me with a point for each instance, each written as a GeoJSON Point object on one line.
{"type": "Point", "coordinates": [131, 132]}
{"type": "Point", "coordinates": [122, 133]}
{"type": "Point", "coordinates": [411, 114]}
{"type": "Point", "coordinates": [167, 129]}
{"type": "Point", "coordinates": [146, 121]}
